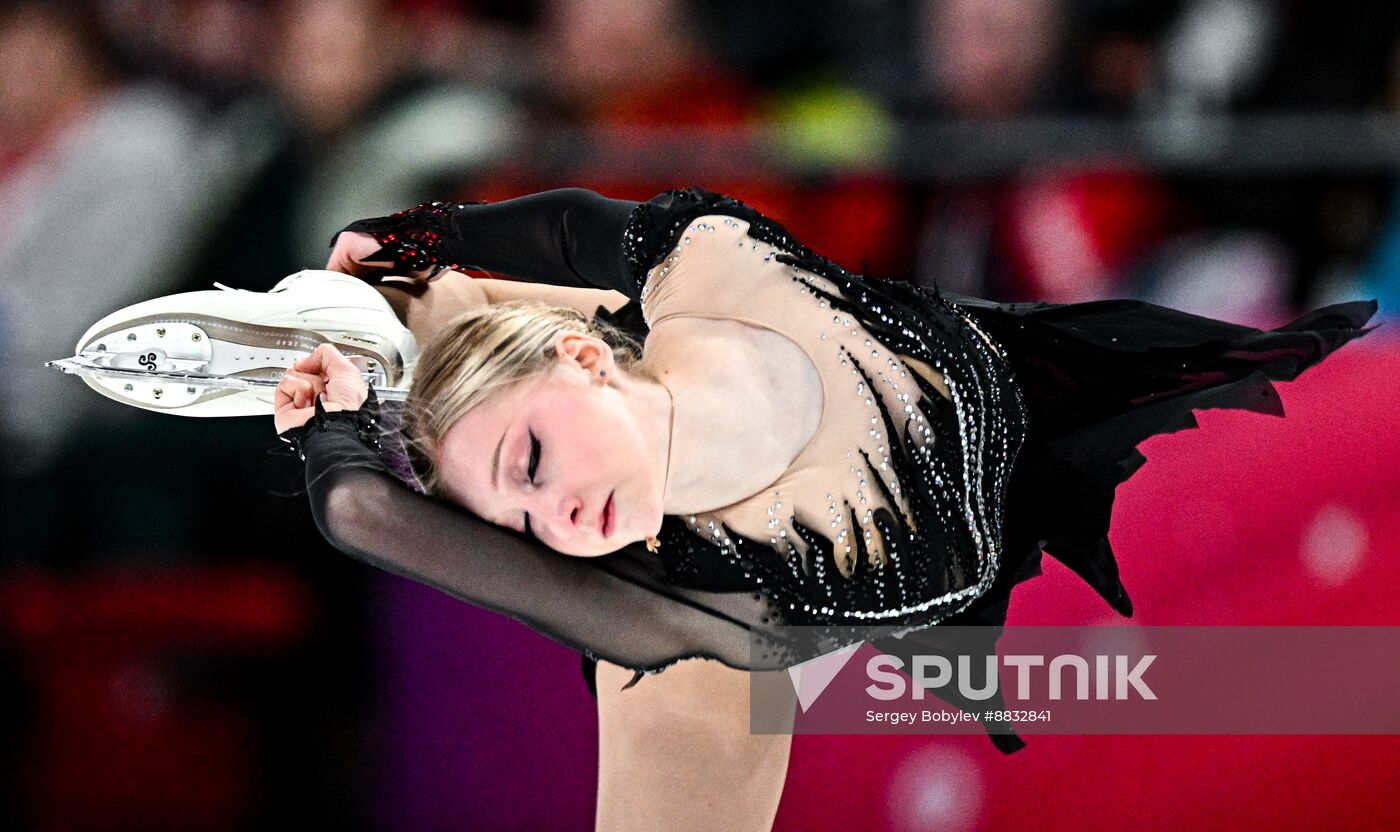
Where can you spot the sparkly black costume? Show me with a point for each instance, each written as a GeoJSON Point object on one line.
{"type": "Point", "coordinates": [1025, 456]}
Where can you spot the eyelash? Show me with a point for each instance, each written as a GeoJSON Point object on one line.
{"type": "Point", "coordinates": [531, 469]}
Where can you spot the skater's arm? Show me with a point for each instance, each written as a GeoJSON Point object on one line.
{"type": "Point", "coordinates": [613, 606]}
{"type": "Point", "coordinates": [621, 607]}
{"type": "Point", "coordinates": [563, 237]}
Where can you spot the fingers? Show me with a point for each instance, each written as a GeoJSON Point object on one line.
{"type": "Point", "coordinates": [326, 373]}
{"type": "Point", "coordinates": [351, 254]}
{"type": "Point", "coordinates": [325, 360]}
{"type": "Point", "coordinates": [293, 400]}
{"type": "Point", "coordinates": [341, 381]}
{"type": "Point", "coordinates": [309, 363]}
{"type": "Point", "coordinates": [287, 417]}
{"type": "Point", "coordinates": [298, 389]}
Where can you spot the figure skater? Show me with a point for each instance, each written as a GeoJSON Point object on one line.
{"type": "Point", "coordinates": [794, 445]}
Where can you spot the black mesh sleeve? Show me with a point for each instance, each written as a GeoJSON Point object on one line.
{"type": "Point", "coordinates": [564, 237]}
{"type": "Point", "coordinates": [619, 608]}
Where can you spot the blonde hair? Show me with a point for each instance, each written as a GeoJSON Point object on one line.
{"type": "Point", "coordinates": [482, 350]}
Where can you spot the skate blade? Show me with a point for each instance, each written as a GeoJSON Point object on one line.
{"type": "Point", "coordinates": [175, 389]}
{"type": "Point", "coordinates": [188, 343]}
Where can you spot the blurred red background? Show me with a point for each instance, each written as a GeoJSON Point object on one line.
{"type": "Point", "coordinates": [180, 649]}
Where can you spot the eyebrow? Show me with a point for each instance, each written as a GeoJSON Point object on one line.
{"type": "Point", "coordinates": [496, 463]}
{"type": "Point", "coordinates": [495, 473]}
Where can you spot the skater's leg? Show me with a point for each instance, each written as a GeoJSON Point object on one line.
{"type": "Point", "coordinates": [425, 307]}
{"type": "Point", "coordinates": [675, 752]}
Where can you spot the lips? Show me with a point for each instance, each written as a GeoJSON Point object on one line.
{"type": "Point", "coordinates": [605, 520]}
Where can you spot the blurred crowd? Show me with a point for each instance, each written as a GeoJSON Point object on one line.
{"type": "Point", "coordinates": [154, 147]}
{"type": "Point", "coordinates": [205, 140]}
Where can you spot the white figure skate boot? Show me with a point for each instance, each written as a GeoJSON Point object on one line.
{"type": "Point", "coordinates": [235, 334]}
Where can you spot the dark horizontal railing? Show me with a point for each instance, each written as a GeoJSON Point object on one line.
{"type": "Point", "coordinates": [1275, 144]}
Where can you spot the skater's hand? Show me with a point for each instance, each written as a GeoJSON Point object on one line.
{"type": "Point", "coordinates": [352, 250]}
{"type": "Point", "coordinates": [325, 371]}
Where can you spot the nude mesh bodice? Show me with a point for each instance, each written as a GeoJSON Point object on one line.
{"type": "Point", "coordinates": [718, 271]}
{"type": "Point", "coordinates": [844, 473]}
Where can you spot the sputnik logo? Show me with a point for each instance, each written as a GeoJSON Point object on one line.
{"type": "Point", "coordinates": [811, 678]}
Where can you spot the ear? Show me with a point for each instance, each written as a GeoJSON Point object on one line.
{"type": "Point", "coordinates": [589, 353]}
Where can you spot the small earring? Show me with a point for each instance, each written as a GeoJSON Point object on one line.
{"type": "Point", "coordinates": [653, 544]}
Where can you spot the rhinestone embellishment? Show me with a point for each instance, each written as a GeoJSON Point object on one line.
{"type": "Point", "coordinates": [902, 525]}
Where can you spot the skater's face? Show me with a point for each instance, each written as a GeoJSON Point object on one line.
{"type": "Point", "coordinates": [560, 455]}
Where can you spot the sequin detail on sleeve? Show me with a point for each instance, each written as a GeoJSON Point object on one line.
{"type": "Point", "coordinates": [413, 239]}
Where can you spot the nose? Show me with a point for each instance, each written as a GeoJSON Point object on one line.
{"type": "Point", "coordinates": [566, 513]}
{"type": "Point", "coordinates": [572, 512]}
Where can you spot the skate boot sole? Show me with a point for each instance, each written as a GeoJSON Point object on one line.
{"type": "Point", "coordinates": [213, 346]}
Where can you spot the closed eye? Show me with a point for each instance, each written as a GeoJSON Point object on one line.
{"type": "Point", "coordinates": [531, 469]}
